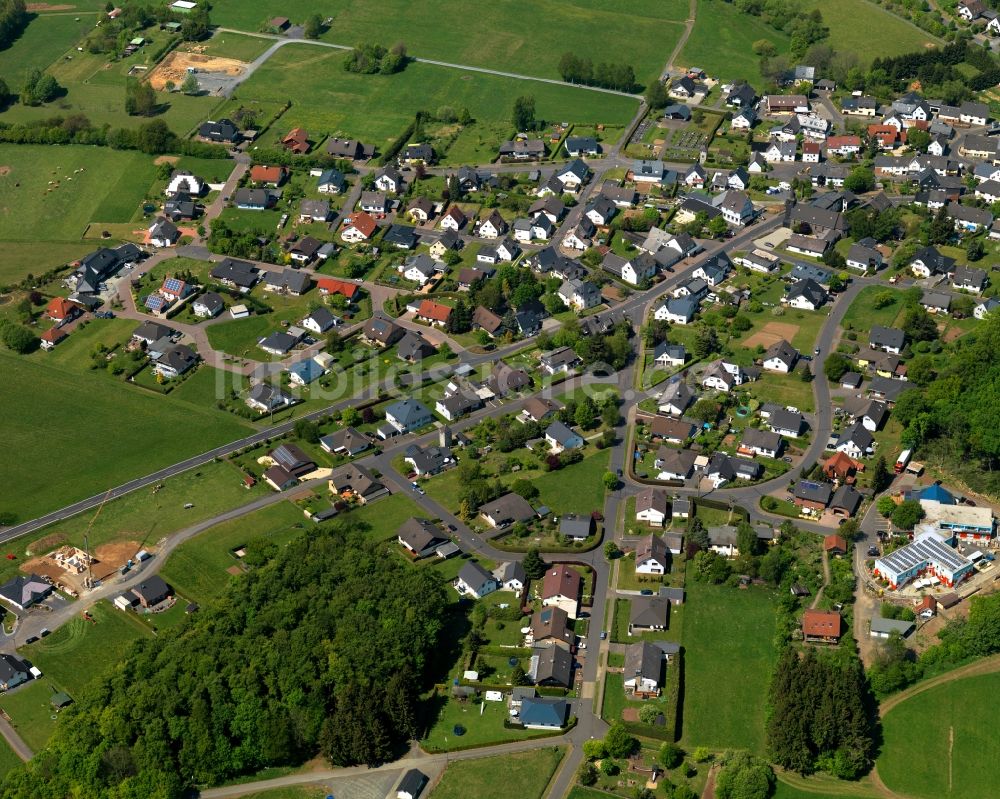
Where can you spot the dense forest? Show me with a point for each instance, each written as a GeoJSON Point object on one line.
{"type": "Point", "coordinates": [954, 417]}
{"type": "Point", "coordinates": [322, 648]}
{"type": "Point", "coordinates": [820, 714]}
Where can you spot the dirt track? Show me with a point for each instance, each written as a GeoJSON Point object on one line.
{"type": "Point", "coordinates": [174, 68]}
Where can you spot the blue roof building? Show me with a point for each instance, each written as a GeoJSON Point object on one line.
{"type": "Point", "coordinates": [304, 372]}
{"type": "Point", "coordinates": [544, 714]}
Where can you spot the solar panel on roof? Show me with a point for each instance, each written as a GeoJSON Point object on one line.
{"type": "Point", "coordinates": [173, 285]}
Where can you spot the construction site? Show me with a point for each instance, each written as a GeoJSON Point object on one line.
{"type": "Point", "coordinates": [71, 569]}
{"type": "Point", "coordinates": [213, 73]}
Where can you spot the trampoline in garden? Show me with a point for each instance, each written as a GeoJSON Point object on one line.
{"type": "Point", "coordinates": [743, 411]}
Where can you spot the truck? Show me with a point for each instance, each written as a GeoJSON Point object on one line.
{"type": "Point", "coordinates": [902, 460]}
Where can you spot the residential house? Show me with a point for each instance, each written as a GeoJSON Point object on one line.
{"type": "Point", "coordinates": [821, 626]}
{"type": "Point", "coordinates": [667, 356]}
{"type": "Point", "coordinates": [805, 294]}
{"type": "Point", "coordinates": [493, 227]}
{"type": "Point", "coordinates": [927, 262]}
{"type": "Point", "coordinates": [453, 219]}
{"type": "Point", "coordinates": [543, 714]}
{"type": "Point", "coordinates": [576, 527]}
{"type": "Point", "coordinates": [253, 199]}
{"type": "Point", "coordinates": [457, 405]}
{"type": "Point", "coordinates": [785, 422]}
{"type": "Point", "coordinates": [935, 302]}
{"type": "Point", "coordinates": [314, 211]}
{"type": "Point", "coordinates": [221, 132]}
{"type": "Point", "coordinates": [305, 372]}
{"type": "Point", "coordinates": [374, 202]}
{"type": "Point", "coordinates": [845, 501]}
{"type": "Point", "coordinates": [208, 305]}
{"type": "Point", "coordinates": [473, 580]}
{"type": "Point", "coordinates": [523, 149]}
{"type": "Point", "coordinates": [855, 441]}
{"type": "Point", "coordinates": [969, 278]}
{"type": "Point", "coordinates": [577, 146]}
{"type": "Point", "coordinates": [389, 179]}
{"type": "Point", "coordinates": [505, 379]}
{"type": "Point", "coordinates": [651, 555]}
{"type": "Point", "coordinates": [651, 506]}
{"type": "Point", "coordinates": [760, 442]}
{"type": "Point", "coordinates": [671, 430]}
{"type": "Point", "coordinates": [864, 256]}
{"type": "Point", "coordinates": [175, 361]}
{"type": "Point", "coordinates": [152, 591]}
{"type": "Point", "coordinates": [579, 294]}
{"type": "Point", "coordinates": [420, 537]}
{"type": "Point", "coordinates": [506, 510]}
{"type": "Point", "coordinates": [815, 496]}
{"type": "Point", "coordinates": [434, 313]}
{"type": "Point", "coordinates": [331, 181]}
{"type": "Point", "coordinates": [573, 175]}
{"type": "Point", "coordinates": [551, 665]}
{"type": "Point", "coordinates": [382, 332]}
{"type": "Point", "coordinates": [419, 269]}
{"type": "Point", "coordinates": [265, 398]}
{"type": "Point", "coordinates": [538, 409]}
{"type": "Point", "coordinates": [163, 233]}
{"type": "Point", "coordinates": [485, 319]}
{"type": "Point", "coordinates": [842, 468]}
{"type": "Point", "coordinates": [13, 672]}
{"type": "Point", "coordinates": [240, 275]}
{"type": "Point", "coordinates": [674, 464]}
{"type": "Point", "coordinates": [346, 441]}
{"type": "Point", "coordinates": [562, 587]}
{"type": "Point", "coordinates": [559, 437]}
{"type": "Point", "coordinates": [780, 357]}
{"type": "Point", "coordinates": [355, 482]}
{"type": "Point", "coordinates": [550, 624]}
{"type": "Point", "coordinates": [448, 242]}
{"type": "Point", "coordinates": [411, 785]}
{"type": "Point", "coordinates": [407, 415]}
{"type": "Point", "coordinates": [23, 591]}
{"type": "Point", "coordinates": [559, 360]}
{"type": "Point", "coordinates": [736, 207]}
{"type": "Point", "coordinates": [420, 209]}
{"type": "Point", "coordinates": [678, 310]}
{"type": "Point", "coordinates": [511, 577]}
{"type": "Point", "coordinates": [648, 614]}
{"type": "Point", "coordinates": [287, 281]}
{"type": "Point", "coordinates": [349, 149]}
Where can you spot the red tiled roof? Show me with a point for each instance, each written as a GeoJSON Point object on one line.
{"type": "Point", "coordinates": [834, 542]}
{"type": "Point", "coordinates": [330, 285]}
{"type": "Point", "coordinates": [834, 142]}
{"type": "Point", "coordinates": [267, 174]}
{"type": "Point", "coordinates": [821, 623]}
{"type": "Point", "coordinates": [59, 309]}
{"type": "Point", "coordinates": [434, 311]}
{"type": "Point", "coordinates": [363, 221]}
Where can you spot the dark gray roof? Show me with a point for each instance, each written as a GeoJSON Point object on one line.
{"type": "Point", "coordinates": [649, 611]}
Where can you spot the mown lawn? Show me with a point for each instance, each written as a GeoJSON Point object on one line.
{"type": "Point", "coordinates": [784, 390]}
{"type": "Point", "coordinates": [729, 650]}
{"type": "Point", "coordinates": [114, 433]}
{"type": "Point", "coordinates": [523, 774]}
{"type": "Point", "coordinates": [46, 38]}
{"type": "Point", "coordinates": [944, 724]}
{"type": "Point", "coordinates": [30, 714]}
{"type": "Point", "coordinates": [850, 21]}
{"type": "Point", "coordinates": [483, 723]}
{"type": "Point", "coordinates": [451, 31]}
{"type": "Point", "coordinates": [326, 100]}
{"type": "Point", "coordinates": [8, 760]}
{"type": "Point", "coordinates": [79, 652]}
{"type": "Point", "coordinates": [225, 44]}
{"type": "Point", "coordinates": [197, 568]}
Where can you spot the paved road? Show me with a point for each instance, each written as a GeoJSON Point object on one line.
{"type": "Point", "coordinates": [280, 42]}
{"type": "Point", "coordinates": [15, 741]}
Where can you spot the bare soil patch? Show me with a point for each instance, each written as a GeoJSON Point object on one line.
{"type": "Point", "coordinates": [4, 171]}
{"type": "Point", "coordinates": [770, 333]}
{"type": "Point", "coordinates": [38, 7]}
{"type": "Point", "coordinates": [106, 560]}
{"type": "Point", "coordinates": [630, 714]}
{"type": "Point", "coordinates": [234, 570]}
{"type": "Point", "coordinates": [166, 159]}
{"type": "Point", "coordinates": [175, 67]}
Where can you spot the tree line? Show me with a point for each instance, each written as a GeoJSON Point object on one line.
{"type": "Point", "coordinates": [578, 69]}
{"type": "Point", "coordinates": [374, 59]}
{"type": "Point", "coordinates": [13, 19]}
{"type": "Point", "coordinates": [821, 716]}
{"type": "Point", "coordinates": [322, 648]}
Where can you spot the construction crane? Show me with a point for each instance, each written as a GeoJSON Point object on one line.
{"type": "Point", "coordinates": [86, 540]}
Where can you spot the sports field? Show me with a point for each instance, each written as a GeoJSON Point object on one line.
{"type": "Point", "coordinates": [326, 100]}
{"type": "Point", "coordinates": [729, 653]}
{"type": "Point", "coordinates": [939, 744]}
{"type": "Point", "coordinates": [77, 434]}
{"type": "Point", "coordinates": [80, 651]}
{"type": "Point", "coordinates": [514, 36]}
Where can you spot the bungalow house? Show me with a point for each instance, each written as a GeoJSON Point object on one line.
{"type": "Point", "coordinates": [473, 580]}
{"type": "Point", "coordinates": [356, 483]}
{"type": "Point", "coordinates": [485, 319]}
{"type": "Point", "coordinates": [677, 310]}
{"type": "Point", "coordinates": [559, 437]}
{"type": "Point", "coordinates": [648, 614]}
{"type": "Point", "coordinates": [305, 372]}
{"type": "Point", "coordinates": [420, 153]}
{"type": "Point", "coordinates": [651, 556]}
{"type": "Point", "coordinates": [434, 313]}
{"type": "Point", "coordinates": [523, 149]}
{"type": "Point", "coordinates": [345, 288]}
{"type": "Point", "coordinates": [577, 146]}
{"type": "Point", "coordinates": [671, 430]}
{"type": "Point", "coordinates": [543, 714]}
{"type": "Point", "coordinates": [271, 176]}
{"type": "Point", "coordinates": [314, 211]}
{"type": "Point", "coordinates": [511, 577]}
{"type": "Point", "coordinates": [221, 132]}
{"type": "Point", "coordinates": [420, 537]}
{"type": "Point", "coordinates": [815, 496]}
{"type": "Point", "coordinates": [562, 587]}
{"type": "Point", "coordinates": [236, 274]}
{"type": "Point", "coordinates": [821, 626]}
{"type": "Point", "coordinates": [458, 405]}
{"type": "Point", "coordinates": [24, 591]}
{"type": "Point", "coordinates": [414, 347]}
{"type": "Point", "coordinates": [287, 281]}
{"type": "Point", "coordinates": [538, 409]}
{"type": "Point", "coordinates": [760, 442]}
{"type": "Point", "coordinates": [506, 510]}
{"type": "Point", "coordinates": [785, 422]}
{"type": "Point", "coordinates": [559, 360]}
{"type": "Point", "coordinates": [651, 506]}
{"type": "Point", "coordinates": [505, 379]}
{"type": "Point", "coordinates": [381, 332]}
{"type": "Point", "coordinates": [551, 665]}
{"type": "Point", "coordinates": [51, 337]}
{"type": "Point", "coordinates": [864, 257]}
{"type": "Point", "coordinates": [331, 181]}
{"type": "Point", "coordinates": [152, 591]}
{"type": "Point", "coordinates": [349, 149]}
{"type": "Point", "coordinates": [643, 668]}
{"type": "Point", "coordinates": [968, 218]}
{"type": "Point", "coordinates": [420, 209]}
{"type": "Point", "coordinates": [834, 545]}
{"type": "Point", "coordinates": [969, 278]}
{"type": "Point", "coordinates": [935, 302]}
{"type": "Point", "coordinates": [320, 321]}
{"type": "Point", "coordinates": [576, 527]}
{"type": "Point", "coordinates": [346, 441]}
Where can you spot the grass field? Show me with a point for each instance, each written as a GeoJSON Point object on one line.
{"type": "Point", "coordinates": [783, 389]}
{"type": "Point", "coordinates": [722, 39]}
{"type": "Point", "coordinates": [944, 724]}
{"type": "Point", "coordinates": [727, 632]}
{"type": "Point", "coordinates": [31, 712]}
{"type": "Point", "coordinates": [127, 434]}
{"type": "Point", "coordinates": [8, 760]}
{"type": "Point", "coordinates": [78, 652]}
{"type": "Point", "coordinates": [523, 774]}
{"type": "Point", "coordinates": [822, 786]}
{"type": "Point", "coordinates": [232, 45]}
{"type": "Point", "coordinates": [36, 215]}
{"type": "Point", "coordinates": [481, 729]}
{"type": "Point", "coordinates": [44, 40]}
{"type": "Point", "coordinates": [449, 30]}
{"type": "Point", "coordinates": [862, 313]}
{"type": "Point", "coordinates": [197, 568]}
{"type": "Point", "coordinates": [850, 22]}
{"type": "Point", "coordinates": [327, 100]}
